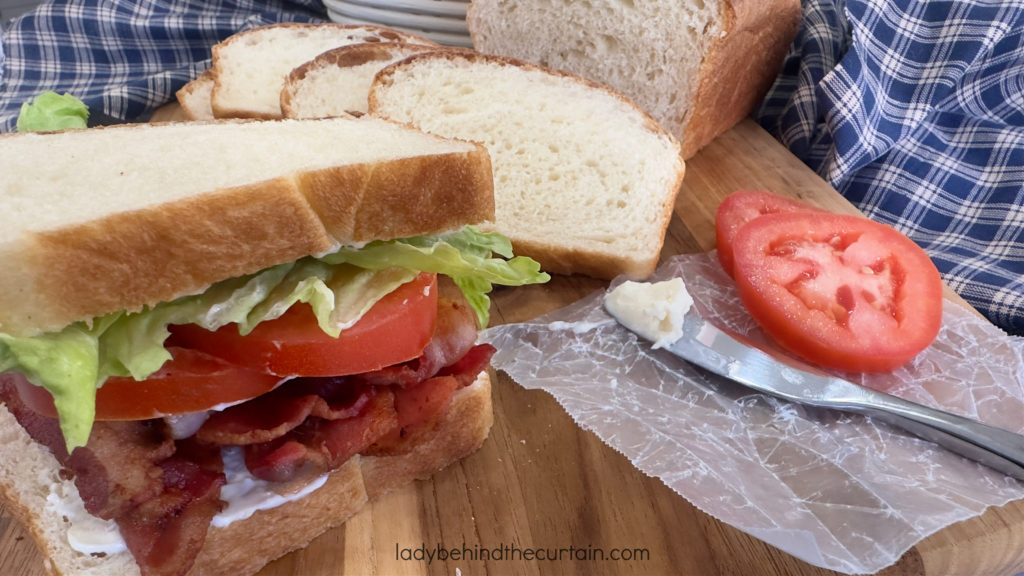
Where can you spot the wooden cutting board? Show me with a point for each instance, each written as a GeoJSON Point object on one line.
{"type": "Point", "coordinates": [541, 483]}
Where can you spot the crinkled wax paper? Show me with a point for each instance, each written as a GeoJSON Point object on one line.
{"type": "Point", "coordinates": [836, 490]}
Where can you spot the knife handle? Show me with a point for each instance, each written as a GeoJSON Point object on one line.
{"type": "Point", "coordinates": [995, 447]}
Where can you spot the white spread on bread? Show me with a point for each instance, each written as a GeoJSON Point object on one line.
{"type": "Point", "coordinates": [654, 311]}
{"type": "Point", "coordinates": [243, 495]}
{"type": "Point", "coordinates": [87, 534]}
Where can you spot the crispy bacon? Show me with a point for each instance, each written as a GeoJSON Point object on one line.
{"type": "Point", "coordinates": [454, 335]}
{"type": "Point", "coordinates": [277, 413]}
{"type": "Point", "coordinates": [466, 369]}
{"type": "Point", "coordinates": [320, 444]}
{"type": "Point", "coordinates": [115, 471]}
{"type": "Point", "coordinates": [120, 466]}
{"type": "Point", "coordinates": [165, 533]}
{"type": "Point", "coordinates": [164, 493]}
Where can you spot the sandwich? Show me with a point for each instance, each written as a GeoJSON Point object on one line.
{"type": "Point", "coordinates": [220, 339]}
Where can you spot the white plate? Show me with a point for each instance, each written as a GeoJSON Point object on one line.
{"type": "Point", "coordinates": [446, 38]}
{"type": "Point", "coordinates": [454, 8]}
{"type": "Point", "coordinates": [389, 17]}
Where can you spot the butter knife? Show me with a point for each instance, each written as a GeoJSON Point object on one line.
{"type": "Point", "coordinates": [774, 373]}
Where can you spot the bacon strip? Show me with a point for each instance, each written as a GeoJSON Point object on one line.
{"type": "Point", "coordinates": [166, 533]}
{"type": "Point", "coordinates": [323, 444]}
{"type": "Point", "coordinates": [164, 493]}
{"type": "Point", "coordinates": [454, 335]}
{"type": "Point", "coordinates": [275, 414]}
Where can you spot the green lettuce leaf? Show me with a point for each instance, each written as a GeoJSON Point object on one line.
{"type": "Point", "coordinates": [465, 256]}
{"type": "Point", "coordinates": [50, 112]}
{"type": "Point", "coordinates": [340, 288]}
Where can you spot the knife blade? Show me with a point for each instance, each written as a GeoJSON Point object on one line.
{"type": "Point", "coordinates": [736, 358]}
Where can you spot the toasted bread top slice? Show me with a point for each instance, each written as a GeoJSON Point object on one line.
{"type": "Point", "coordinates": [107, 219]}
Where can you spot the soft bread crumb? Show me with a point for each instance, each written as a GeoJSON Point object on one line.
{"type": "Point", "coordinates": [585, 182]}
{"type": "Point", "coordinates": [250, 67]}
{"type": "Point", "coordinates": [337, 82]}
{"type": "Point", "coordinates": [698, 66]}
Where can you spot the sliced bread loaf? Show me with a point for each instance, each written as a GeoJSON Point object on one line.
{"type": "Point", "coordinates": [338, 81]}
{"type": "Point", "coordinates": [585, 182]}
{"type": "Point", "coordinates": [108, 219]}
{"type": "Point", "coordinates": [194, 97]}
{"type": "Point", "coordinates": [250, 67]}
{"type": "Point", "coordinates": [698, 66]}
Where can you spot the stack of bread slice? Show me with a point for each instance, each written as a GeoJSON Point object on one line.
{"type": "Point", "coordinates": [250, 68]}
{"type": "Point", "coordinates": [585, 180]}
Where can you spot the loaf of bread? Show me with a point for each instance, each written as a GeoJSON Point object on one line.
{"type": "Point", "coordinates": [338, 81]}
{"type": "Point", "coordinates": [585, 182]}
{"type": "Point", "coordinates": [250, 67]}
{"type": "Point", "coordinates": [697, 66]}
{"type": "Point", "coordinates": [89, 231]}
{"type": "Point", "coordinates": [38, 493]}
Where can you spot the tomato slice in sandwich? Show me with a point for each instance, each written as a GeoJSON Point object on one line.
{"type": "Point", "coordinates": [394, 330]}
{"type": "Point", "coordinates": [210, 369]}
{"type": "Point", "coordinates": [191, 381]}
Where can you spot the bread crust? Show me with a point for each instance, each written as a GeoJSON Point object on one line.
{"type": "Point", "coordinates": [739, 58]}
{"type": "Point", "coordinates": [388, 199]}
{"type": "Point", "coordinates": [223, 107]}
{"type": "Point", "coordinates": [245, 546]}
{"type": "Point", "coordinates": [739, 69]}
{"type": "Point", "coordinates": [568, 260]}
{"type": "Point", "coordinates": [194, 97]}
{"type": "Point", "coordinates": [131, 259]}
{"type": "Point", "coordinates": [556, 252]}
{"type": "Point", "coordinates": [128, 260]}
{"type": "Point", "coordinates": [350, 56]}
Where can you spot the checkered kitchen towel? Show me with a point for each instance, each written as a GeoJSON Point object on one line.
{"type": "Point", "coordinates": [124, 58]}
{"type": "Point", "coordinates": [914, 110]}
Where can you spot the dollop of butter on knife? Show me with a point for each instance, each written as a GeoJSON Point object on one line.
{"type": "Point", "coordinates": [653, 310]}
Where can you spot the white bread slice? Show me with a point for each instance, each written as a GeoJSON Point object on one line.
{"type": "Point", "coordinates": [338, 81]}
{"type": "Point", "coordinates": [194, 97]}
{"type": "Point", "coordinates": [29, 475]}
{"type": "Point", "coordinates": [250, 67]}
{"type": "Point", "coordinates": [585, 182]}
{"type": "Point", "coordinates": [698, 66]}
{"type": "Point", "coordinates": [100, 220]}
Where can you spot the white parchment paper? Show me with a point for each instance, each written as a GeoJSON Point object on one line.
{"type": "Point", "coordinates": [836, 490]}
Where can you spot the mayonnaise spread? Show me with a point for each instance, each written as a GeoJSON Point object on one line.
{"type": "Point", "coordinates": [243, 494]}
{"type": "Point", "coordinates": [654, 311]}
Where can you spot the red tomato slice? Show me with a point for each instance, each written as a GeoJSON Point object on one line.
{"type": "Point", "coordinates": [394, 330]}
{"type": "Point", "coordinates": [840, 291]}
{"type": "Point", "coordinates": [191, 381]}
{"type": "Point", "coordinates": [743, 206]}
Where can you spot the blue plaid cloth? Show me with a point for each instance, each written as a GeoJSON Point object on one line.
{"type": "Point", "coordinates": [124, 58]}
{"type": "Point", "coordinates": [914, 110]}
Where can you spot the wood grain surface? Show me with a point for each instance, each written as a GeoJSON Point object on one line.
{"type": "Point", "coordinates": [541, 483]}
